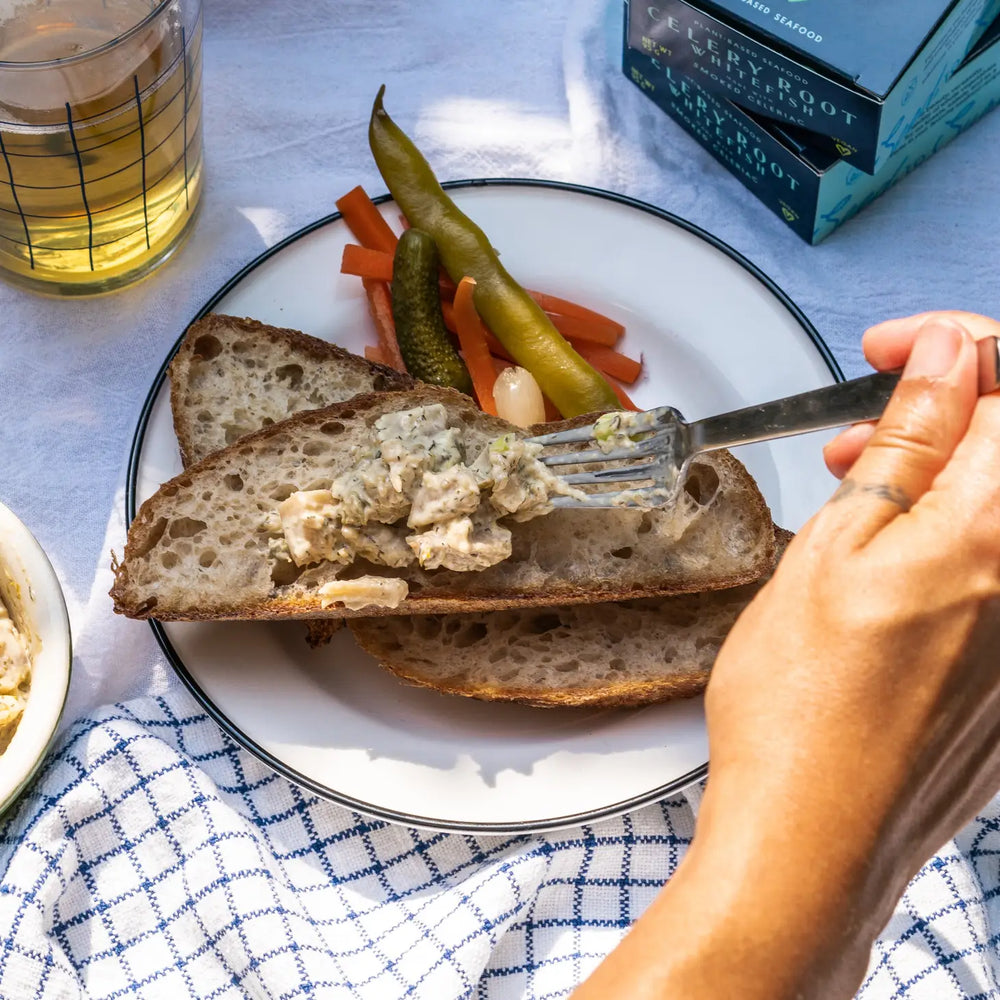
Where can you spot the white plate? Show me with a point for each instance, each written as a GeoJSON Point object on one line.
{"type": "Point", "coordinates": [715, 334]}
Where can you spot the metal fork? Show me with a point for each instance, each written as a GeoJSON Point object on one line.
{"type": "Point", "coordinates": [657, 445]}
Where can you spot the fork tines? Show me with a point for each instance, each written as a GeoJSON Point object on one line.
{"type": "Point", "coordinates": [655, 430]}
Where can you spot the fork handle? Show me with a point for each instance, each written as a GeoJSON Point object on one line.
{"type": "Point", "coordinates": [849, 402]}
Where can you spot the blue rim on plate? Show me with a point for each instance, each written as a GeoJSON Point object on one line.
{"type": "Point", "coordinates": [241, 738]}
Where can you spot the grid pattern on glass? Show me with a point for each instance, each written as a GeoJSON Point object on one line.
{"type": "Point", "coordinates": [98, 186]}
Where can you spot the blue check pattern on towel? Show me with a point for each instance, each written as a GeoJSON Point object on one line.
{"type": "Point", "coordinates": [153, 858]}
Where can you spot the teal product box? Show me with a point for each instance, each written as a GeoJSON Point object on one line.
{"type": "Point", "coordinates": [859, 71]}
{"type": "Point", "coordinates": [800, 175]}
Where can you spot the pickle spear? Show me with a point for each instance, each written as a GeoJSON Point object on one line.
{"type": "Point", "coordinates": [518, 322]}
{"type": "Point", "coordinates": [416, 311]}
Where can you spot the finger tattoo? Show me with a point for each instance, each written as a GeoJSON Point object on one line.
{"type": "Point", "coordinates": [884, 491]}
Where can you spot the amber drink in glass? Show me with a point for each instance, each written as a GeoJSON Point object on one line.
{"type": "Point", "coordinates": [100, 139]}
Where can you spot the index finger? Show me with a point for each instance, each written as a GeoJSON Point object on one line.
{"type": "Point", "coordinates": [887, 345]}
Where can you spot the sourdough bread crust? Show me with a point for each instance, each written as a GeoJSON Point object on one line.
{"type": "Point", "coordinates": [185, 561]}
{"type": "Point", "coordinates": [233, 375]}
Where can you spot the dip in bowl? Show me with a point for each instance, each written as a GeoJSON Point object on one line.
{"type": "Point", "coordinates": [38, 628]}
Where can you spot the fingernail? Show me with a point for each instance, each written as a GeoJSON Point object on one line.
{"type": "Point", "coordinates": [935, 350]}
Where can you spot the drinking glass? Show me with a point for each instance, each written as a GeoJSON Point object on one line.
{"type": "Point", "coordinates": [100, 139]}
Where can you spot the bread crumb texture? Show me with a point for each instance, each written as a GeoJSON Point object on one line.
{"type": "Point", "coordinates": [619, 654]}
{"type": "Point", "coordinates": [208, 543]}
{"type": "Point", "coordinates": [616, 654]}
{"type": "Point", "coordinates": [232, 376]}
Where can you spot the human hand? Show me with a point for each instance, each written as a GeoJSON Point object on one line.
{"type": "Point", "coordinates": [854, 711]}
{"type": "Point", "coordinates": [886, 347]}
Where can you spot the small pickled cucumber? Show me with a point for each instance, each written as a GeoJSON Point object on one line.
{"type": "Point", "coordinates": [416, 310]}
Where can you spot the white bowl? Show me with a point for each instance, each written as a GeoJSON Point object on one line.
{"type": "Point", "coordinates": [30, 590]}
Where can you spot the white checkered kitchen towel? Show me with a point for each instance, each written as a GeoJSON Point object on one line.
{"type": "Point", "coordinates": [154, 858]}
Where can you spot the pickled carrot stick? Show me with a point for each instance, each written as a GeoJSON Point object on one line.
{"type": "Point", "coordinates": [622, 395]}
{"type": "Point", "coordinates": [552, 303]}
{"type": "Point", "coordinates": [472, 340]}
{"type": "Point", "coordinates": [448, 315]}
{"type": "Point", "coordinates": [365, 220]}
{"type": "Point", "coordinates": [610, 362]}
{"type": "Point", "coordinates": [497, 349]}
{"type": "Point", "coordinates": [380, 307]}
{"type": "Point", "coordinates": [577, 324]}
{"type": "Point", "coordinates": [366, 263]}
{"type": "Point", "coordinates": [573, 328]}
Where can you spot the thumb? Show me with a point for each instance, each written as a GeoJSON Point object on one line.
{"type": "Point", "coordinates": [927, 416]}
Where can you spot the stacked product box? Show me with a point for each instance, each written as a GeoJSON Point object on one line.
{"type": "Point", "coordinates": [859, 71]}
{"type": "Point", "coordinates": [810, 177]}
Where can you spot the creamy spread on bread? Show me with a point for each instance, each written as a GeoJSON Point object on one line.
{"type": "Point", "coordinates": [413, 494]}
{"type": "Point", "coordinates": [15, 675]}
{"type": "Point", "coordinates": [363, 592]}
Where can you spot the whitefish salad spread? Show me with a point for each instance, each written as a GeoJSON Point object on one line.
{"type": "Point", "coordinates": [413, 495]}
{"type": "Point", "coordinates": [15, 676]}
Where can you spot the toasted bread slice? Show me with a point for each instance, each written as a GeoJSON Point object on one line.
{"type": "Point", "coordinates": [200, 547]}
{"type": "Point", "coordinates": [616, 655]}
{"type": "Point", "coordinates": [232, 376]}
